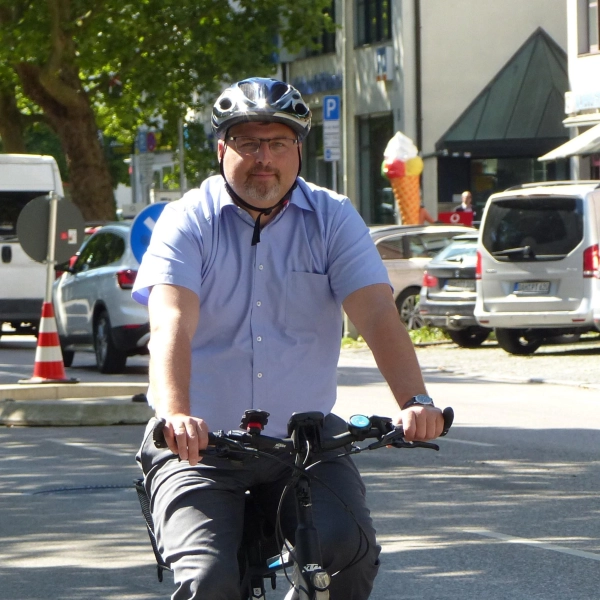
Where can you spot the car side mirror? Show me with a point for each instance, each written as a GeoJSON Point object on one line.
{"type": "Point", "coordinates": [67, 265]}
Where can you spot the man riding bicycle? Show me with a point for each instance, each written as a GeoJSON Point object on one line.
{"type": "Point", "coordinates": [245, 279]}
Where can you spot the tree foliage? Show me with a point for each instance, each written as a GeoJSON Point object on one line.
{"type": "Point", "coordinates": [114, 65]}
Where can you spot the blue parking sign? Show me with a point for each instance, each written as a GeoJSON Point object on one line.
{"type": "Point", "coordinates": [331, 108]}
{"type": "Point", "coordinates": [142, 227]}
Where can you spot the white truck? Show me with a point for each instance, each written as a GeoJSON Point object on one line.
{"type": "Point", "coordinates": [22, 280]}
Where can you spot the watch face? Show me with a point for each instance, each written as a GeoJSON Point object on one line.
{"type": "Point", "coordinates": [423, 399]}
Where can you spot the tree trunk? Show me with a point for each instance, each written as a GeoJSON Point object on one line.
{"type": "Point", "coordinates": [67, 108]}
{"type": "Point", "coordinates": [11, 123]}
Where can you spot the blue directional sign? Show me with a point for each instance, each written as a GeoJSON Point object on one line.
{"type": "Point", "coordinates": [142, 227]}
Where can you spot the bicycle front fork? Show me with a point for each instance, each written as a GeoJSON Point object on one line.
{"type": "Point", "coordinates": [310, 579]}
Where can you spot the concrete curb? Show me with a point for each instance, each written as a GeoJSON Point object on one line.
{"type": "Point", "coordinates": [77, 404]}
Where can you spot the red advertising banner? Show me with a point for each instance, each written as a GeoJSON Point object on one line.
{"type": "Point", "coordinates": [456, 218]}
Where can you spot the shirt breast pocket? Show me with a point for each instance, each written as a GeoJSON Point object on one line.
{"type": "Point", "coordinates": [310, 305]}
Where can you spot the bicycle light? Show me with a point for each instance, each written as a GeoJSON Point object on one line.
{"type": "Point", "coordinates": [320, 580]}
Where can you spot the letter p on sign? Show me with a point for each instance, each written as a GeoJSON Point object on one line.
{"type": "Point", "coordinates": [331, 108]}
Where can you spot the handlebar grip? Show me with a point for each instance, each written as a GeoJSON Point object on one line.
{"type": "Point", "coordinates": [158, 435]}
{"type": "Point", "coordinates": [448, 414]}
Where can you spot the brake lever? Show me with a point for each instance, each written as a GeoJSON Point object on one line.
{"type": "Point", "coordinates": [405, 444]}
{"type": "Point", "coordinates": [448, 414]}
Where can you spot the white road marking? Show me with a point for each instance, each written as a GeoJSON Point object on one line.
{"type": "Point", "coordinates": [466, 442]}
{"type": "Point", "coordinates": [533, 542]}
{"type": "Point", "coordinates": [100, 449]}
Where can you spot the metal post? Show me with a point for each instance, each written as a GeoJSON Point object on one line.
{"type": "Point", "coordinates": [348, 104]}
{"type": "Point", "coordinates": [334, 175]}
{"type": "Point", "coordinates": [50, 261]}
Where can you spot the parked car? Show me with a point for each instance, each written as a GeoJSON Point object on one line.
{"type": "Point", "coordinates": [448, 294]}
{"type": "Point", "coordinates": [406, 250]}
{"type": "Point", "coordinates": [93, 305]}
{"type": "Point", "coordinates": [538, 264]}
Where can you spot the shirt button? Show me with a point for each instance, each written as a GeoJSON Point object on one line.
{"type": "Point", "coordinates": [259, 375]}
{"type": "Point", "coordinates": [258, 303]}
{"type": "Point", "coordinates": [258, 338]}
{"type": "Point", "coordinates": [260, 267]}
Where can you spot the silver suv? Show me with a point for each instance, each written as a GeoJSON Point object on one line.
{"type": "Point", "coordinates": [538, 264]}
{"type": "Point", "coordinates": [93, 304]}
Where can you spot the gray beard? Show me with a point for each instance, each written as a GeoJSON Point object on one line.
{"type": "Point", "coordinates": [257, 192]}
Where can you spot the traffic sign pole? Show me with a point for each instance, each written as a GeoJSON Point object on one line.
{"type": "Point", "coordinates": [50, 258]}
{"type": "Point", "coordinates": [331, 134]}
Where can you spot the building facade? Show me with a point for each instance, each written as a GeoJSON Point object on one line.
{"type": "Point", "coordinates": [478, 85]}
{"type": "Point", "coordinates": [582, 101]}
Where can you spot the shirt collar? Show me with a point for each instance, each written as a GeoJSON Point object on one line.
{"type": "Point", "coordinates": [298, 196]}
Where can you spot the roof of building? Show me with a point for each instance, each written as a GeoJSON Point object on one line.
{"type": "Point", "coordinates": [520, 112]}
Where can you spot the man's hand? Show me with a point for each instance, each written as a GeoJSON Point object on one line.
{"type": "Point", "coordinates": [421, 423]}
{"type": "Point", "coordinates": [186, 436]}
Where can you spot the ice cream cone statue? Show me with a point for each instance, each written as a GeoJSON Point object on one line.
{"type": "Point", "coordinates": [403, 167]}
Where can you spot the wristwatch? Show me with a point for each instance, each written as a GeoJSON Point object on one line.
{"type": "Point", "coordinates": [419, 400]}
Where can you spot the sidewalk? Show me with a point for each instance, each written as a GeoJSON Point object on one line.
{"type": "Point", "coordinates": [94, 403]}
{"type": "Point", "coordinates": [66, 404]}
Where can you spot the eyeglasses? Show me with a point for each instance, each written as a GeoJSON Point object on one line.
{"type": "Point", "coordinates": [251, 145]}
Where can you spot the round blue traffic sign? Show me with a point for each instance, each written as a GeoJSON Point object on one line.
{"type": "Point", "coordinates": [142, 227]}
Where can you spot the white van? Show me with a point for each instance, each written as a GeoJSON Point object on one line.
{"type": "Point", "coordinates": [538, 263]}
{"type": "Point", "coordinates": [23, 280]}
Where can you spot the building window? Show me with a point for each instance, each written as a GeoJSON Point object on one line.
{"type": "Point", "coordinates": [326, 40]}
{"type": "Point", "coordinates": [314, 166]}
{"type": "Point", "coordinates": [588, 26]}
{"type": "Point", "coordinates": [377, 204]}
{"type": "Point", "coordinates": [593, 25]}
{"type": "Point", "coordinates": [373, 20]}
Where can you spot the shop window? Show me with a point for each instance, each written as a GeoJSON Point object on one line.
{"type": "Point", "coordinates": [373, 20]}
{"type": "Point", "coordinates": [490, 175]}
{"type": "Point", "coordinates": [377, 204]}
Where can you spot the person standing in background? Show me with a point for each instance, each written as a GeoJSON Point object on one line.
{"type": "Point", "coordinates": [466, 203]}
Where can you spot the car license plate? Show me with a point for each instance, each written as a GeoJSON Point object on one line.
{"type": "Point", "coordinates": [461, 284]}
{"type": "Point", "coordinates": [533, 287]}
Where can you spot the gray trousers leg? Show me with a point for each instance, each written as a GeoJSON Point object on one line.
{"type": "Point", "coordinates": [198, 515]}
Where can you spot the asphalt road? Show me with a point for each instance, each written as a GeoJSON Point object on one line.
{"type": "Point", "coordinates": [569, 363]}
{"type": "Point", "coordinates": [507, 510]}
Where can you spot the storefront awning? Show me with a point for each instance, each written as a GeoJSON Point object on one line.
{"type": "Point", "coordinates": [587, 142]}
{"type": "Point", "coordinates": [520, 112]}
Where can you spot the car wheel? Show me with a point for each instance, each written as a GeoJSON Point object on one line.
{"type": "Point", "coordinates": [67, 355]}
{"type": "Point", "coordinates": [407, 304]}
{"type": "Point", "coordinates": [471, 337]}
{"type": "Point", "coordinates": [518, 341]}
{"type": "Point", "coordinates": [108, 357]}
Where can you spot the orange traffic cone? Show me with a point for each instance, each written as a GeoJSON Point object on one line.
{"type": "Point", "coordinates": [49, 366]}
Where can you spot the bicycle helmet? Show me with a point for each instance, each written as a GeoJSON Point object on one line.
{"type": "Point", "coordinates": [261, 99]}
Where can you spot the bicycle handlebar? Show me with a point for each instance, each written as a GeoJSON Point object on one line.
{"type": "Point", "coordinates": [360, 428]}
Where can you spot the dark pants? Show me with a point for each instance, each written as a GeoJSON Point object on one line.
{"type": "Point", "coordinates": [198, 515]}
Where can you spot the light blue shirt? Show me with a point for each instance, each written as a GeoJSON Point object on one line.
{"type": "Point", "coordinates": [270, 314]}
